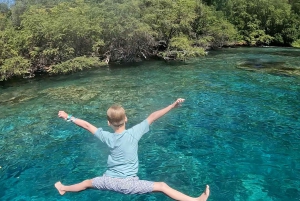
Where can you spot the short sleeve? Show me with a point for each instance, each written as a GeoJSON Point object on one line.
{"type": "Point", "coordinates": [140, 129]}
{"type": "Point", "coordinates": [100, 135]}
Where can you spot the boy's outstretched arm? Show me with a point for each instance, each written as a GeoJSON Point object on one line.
{"type": "Point", "coordinates": [79, 122]}
{"type": "Point", "coordinates": [157, 114]}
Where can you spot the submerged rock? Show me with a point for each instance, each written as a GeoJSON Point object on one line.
{"type": "Point", "coordinates": [70, 93]}
{"type": "Point", "coordinates": [271, 67]}
{"type": "Point", "coordinates": [15, 98]}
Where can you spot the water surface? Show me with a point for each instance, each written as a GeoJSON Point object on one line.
{"type": "Point", "coordinates": [238, 130]}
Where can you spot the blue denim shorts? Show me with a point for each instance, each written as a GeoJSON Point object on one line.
{"type": "Point", "coordinates": [128, 185]}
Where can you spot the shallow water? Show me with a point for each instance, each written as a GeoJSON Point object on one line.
{"type": "Point", "coordinates": [238, 130]}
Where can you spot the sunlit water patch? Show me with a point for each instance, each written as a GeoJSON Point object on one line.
{"type": "Point", "coordinates": [238, 130]}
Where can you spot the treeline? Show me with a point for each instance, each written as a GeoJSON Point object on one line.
{"type": "Point", "coordinates": [59, 36]}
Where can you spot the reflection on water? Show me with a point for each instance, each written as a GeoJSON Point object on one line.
{"type": "Point", "coordinates": [238, 130]}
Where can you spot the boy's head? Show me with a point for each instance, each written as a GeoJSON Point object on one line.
{"type": "Point", "coordinates": [116, 116]}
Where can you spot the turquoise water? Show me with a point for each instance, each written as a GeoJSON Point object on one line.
{"type": "Point", "coordinates": [238, 130]}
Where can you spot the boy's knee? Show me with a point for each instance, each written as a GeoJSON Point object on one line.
{"type": "Point", "coordinates": [160, 186]}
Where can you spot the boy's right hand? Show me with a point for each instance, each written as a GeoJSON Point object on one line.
{"type": "Point", "coordinates": [63, 115]}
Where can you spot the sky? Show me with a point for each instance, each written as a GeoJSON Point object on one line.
{"type": "Point", "coordinates": [9, 2]}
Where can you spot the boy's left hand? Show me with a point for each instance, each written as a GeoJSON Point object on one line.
{"type": "Point", "coordinates": [178, 101]}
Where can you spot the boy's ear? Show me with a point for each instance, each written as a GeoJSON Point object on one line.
{"type": "Point", "coordinates": [125, 119]}
{"type": "Point", "coordinates": [108, 123]}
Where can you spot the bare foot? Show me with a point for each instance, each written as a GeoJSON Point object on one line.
{"type": "Point", "coordinates": [58, 186]}
{"type": "Point", "coordinates": [204, 195]}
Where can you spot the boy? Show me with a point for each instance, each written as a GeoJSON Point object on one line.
{"type": "Point", "coordinates": [123, 158]}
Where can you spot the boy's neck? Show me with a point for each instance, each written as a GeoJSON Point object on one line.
{"type": "Point", "coordinates": [120, 129]}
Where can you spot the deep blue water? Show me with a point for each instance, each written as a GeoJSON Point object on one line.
{"type": "Point", "coordinates": [238, 130]}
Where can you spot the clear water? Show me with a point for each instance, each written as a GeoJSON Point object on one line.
{"type": "Point", "coordinates": [238, 130]}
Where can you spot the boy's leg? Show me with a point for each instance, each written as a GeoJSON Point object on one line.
{"type": "Point", "coordinates": [176, 195]}
{"type": "Point", "coordinates": [62, 189]}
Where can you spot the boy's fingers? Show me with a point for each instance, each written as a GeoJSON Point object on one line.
{"type": "Point", "coordinates": [180, 100]}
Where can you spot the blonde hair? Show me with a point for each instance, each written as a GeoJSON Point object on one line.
{"type": "Point", "coordinates": [116, 115]}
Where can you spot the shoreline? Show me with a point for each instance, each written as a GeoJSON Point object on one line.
{"type": "Point", "coordinates": [44, 74]}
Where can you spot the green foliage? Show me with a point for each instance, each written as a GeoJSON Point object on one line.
{"type": "Point", "coordinates": [262, 21]}
{"type": "Point", "coordinates": [12, 43]}
{"type": "Point", "coordinates": [180, 43]}
{"type": "Point", "coordinates": [258, 37]}
{"type": "Point", "coordinates": [296, 43]}
{"type": "Point", "coordinates": [4, 16]}
{"type": "Point", "coordinates": [76, 64]}
{"type": "Point", "coordinates": [3, 8]}
{"type": "Point", "coordinates": [60, 36]}
{"type": "Point", "coordinates": [60, 33]}
{"type": "Point", "coordinates": [125, 36]}
{"type": "Point", "coordinates": [182, 48]}
{"type": "Point", "coordinates": [295, 6]}
{"type": "Point", "coordinates": [169, 18]}
{"type": "Point", "coordinates": [212, 29]}
{"type": "Point", "coordinates": [14, 66]}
